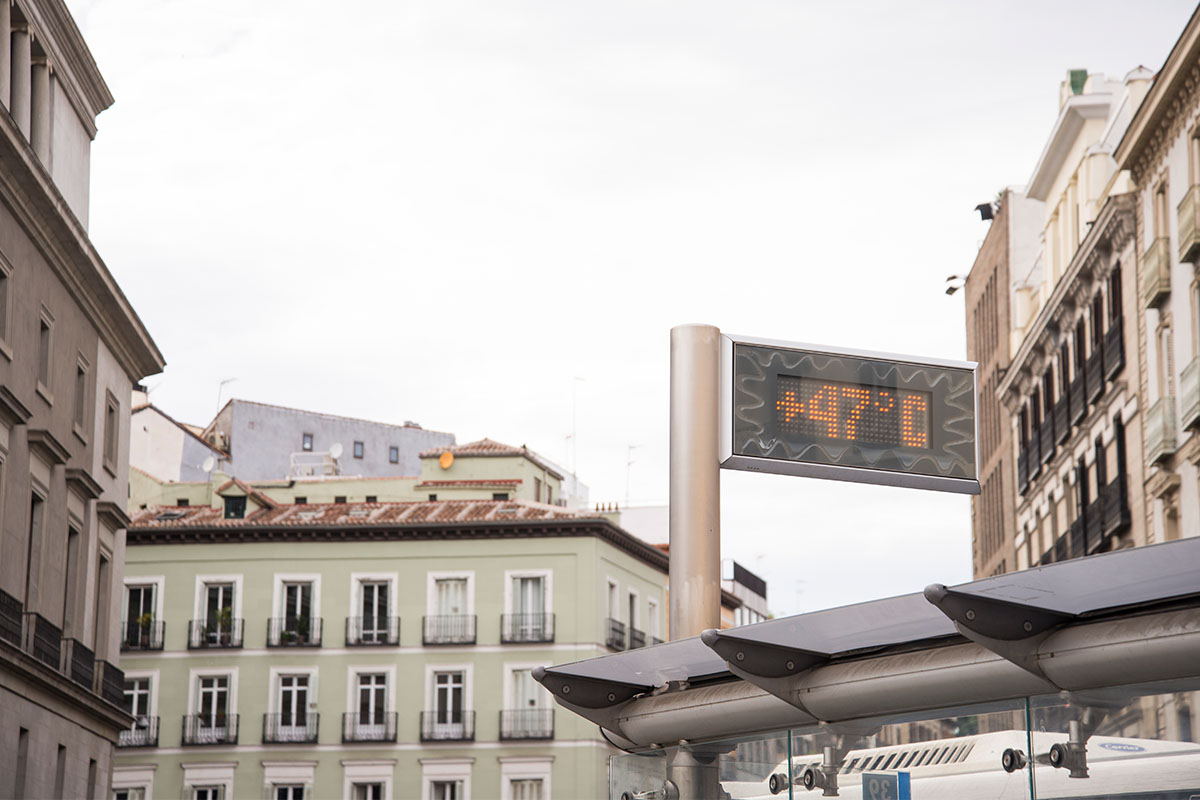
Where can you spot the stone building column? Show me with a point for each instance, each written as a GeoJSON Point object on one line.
{"type": "Point", "coordinates": [5, 53]}
{"type": "Point", "coordinates": [21, 77]}
{"type": "Point", "coordinates": [39, 133]}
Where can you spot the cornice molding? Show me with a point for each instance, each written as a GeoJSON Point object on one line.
{"type": "Point", "coordinates": [77, 74]}
{"type": "Point", "coordinates": [240, 534]}
{"type": "Point", "coordinates": [113, 514]}
{"type": "Point", "coordinates": [30, 193]}
{"type": "Point", "coordinates": [83, 484]}
{"type": "Point", "coordinates": [12, 410]}
{"type": "Point", "coordinates": [42, 441]}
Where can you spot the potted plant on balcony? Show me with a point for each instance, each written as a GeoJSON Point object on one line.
{"type": "Point", "coordinates": [143, 629]}
{"type": "Point", "coordinates": [301, 627]}
{"type": "Point", "coordinates": [225, 626]}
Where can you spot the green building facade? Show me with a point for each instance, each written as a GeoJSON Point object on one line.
{"type": "Point", "coordinates": [375, 650]}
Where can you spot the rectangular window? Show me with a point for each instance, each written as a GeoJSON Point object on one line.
{"type": "Point", "coordinates": [448, 704]}
{"type": "Point", "coordinates": [301, 500]}
{"type": "Point", "coordinates": [432, 498]}
{"type": "Point", "coordinates": [652, 618]}
{"type": "Point", "coordinates": [499, 495]}
{"type": "Point", "coordinates": [394, 455]}
{"type": "Point", "coordinates": [297, 610]}
{"type": "Point", "coordinates": [213, 704]}
{"type": "Point", "coordinates": [139, 616]}
{"type": "Point", "coordinates": [112, 430]}
{"type": "Point", "coordinates": [372, 706]}
{"type": "Point", "coordinates": [288, 792]}
{"type": "Point", "coordinates": [130, 793]}
{"type": "Point", "coordinates": [80, 395]}
{"type": "Point", "coordinates": [537, 489]}
{"type": "Point", "coordinates": [306, 442]}
{"type": "Point", "coordinates": [44, 352]}
{"type": "Point", "coordinates": [137, 696]}
{"type": "Point", "coordinates": [218, 611]}
{"type": "Point", "coordinates": [367, 791]}
{"type": "Point", "coordinates": [358, 449]}
{"type": "Point", "coordinates": [292, 704]}
{"type": "Point", "coordinates": [235, 507]}
{"type": "Point", "coordinates": [207, 793]}
{"type": "Point", "coordinates": [451, 596]}
{"type": "Point", "coordinates": [446, 790]}
{"type": "Point", "coordinates": [373, 598]}
{"type": "Point", "coordinates": [372, 498]}
{"type": "Point", "coordinates": [182, 501]}
{"type": "Point", "coordinates": [526, 789]}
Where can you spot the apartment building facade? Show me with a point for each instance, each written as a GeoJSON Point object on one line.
{"type": "Point", "coordinates": [1161, 151]}
{"type": "Point", "coordinates": [1068, 397]}
{"type": "Point", "coordinates": [71, 348]}
{"type": "Point", "coordinates": [376, 650]}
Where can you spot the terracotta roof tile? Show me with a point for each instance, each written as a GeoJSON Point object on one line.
{"type": "Point", "coordinates": [469, 484]}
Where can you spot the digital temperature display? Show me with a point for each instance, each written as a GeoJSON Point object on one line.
{"type": "Point", "coordinates": [848, 415]}
{"type": "Point", "coordinates": [853, 412]}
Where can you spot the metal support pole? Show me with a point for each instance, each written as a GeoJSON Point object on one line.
{"type": "Point", "coordinates": [695, 512]}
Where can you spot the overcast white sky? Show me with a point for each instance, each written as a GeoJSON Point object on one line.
{"type": "Point", "coordinates": [446, 211]}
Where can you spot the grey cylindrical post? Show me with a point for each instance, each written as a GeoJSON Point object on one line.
{"type": "Point", "coordinates": [21, 78]}
{"type": "Point", "coordinates": [695, 512]}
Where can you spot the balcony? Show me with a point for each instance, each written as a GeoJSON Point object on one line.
{"type": "Point", "coordinates": [1022, 470]}
{"type": "Point", "coordinates": [1035, 454]}
{"type": "Point", "coordinates": [201, 729]}
{"type": "Point", "coordinates": [377, 727]}
{"type": "Point", "coordinates": [142, 634]}
{"type": "Point", "coordinates": [372, 631]}
{"type": "Point", "coordinates": [448, 629]}
{"type": "Point", "coordinates": [144, 733]}
{"type": "Point", "coordinates": [1076, 538]}
{"type": "Point", "coordinates": [293, 632]}
{"type": "Point", "coordinates": [1116, 507]}
{"type": "Point", "coordinates": [637, 639]}
{"type": "Point", "coordinates": [1156, 272]}
{"type": "Point", "coordinates": [203, 634]}
{"type": "Point", "coordinates": [1047, 438]}
{"type": "Point", "coordinates": [527, 723]}
{"type": "Point", "coordinates": [447, 726]}
{"type": "Point", "coordinates": [1095, 375]}
{"type": "Point", "coordinates": [79, 663]}
{"type": "Point", "coordinates": [1062, 420]}
{"type": "Point", "coordinates": [43, 640]}
{"type": "Point", "coordinates": [110, 683]}
{"type": "Point", "coordinates": [614, 636]}
{"type": "Point", "coordinates": [1189, 226]}
{"type": "Point", "coordinates": [1093, 528]}
{"type": "Point", "coordinates": [1061, 553]}
{"type": "Point", "coordinates": [11, 612]}
{"type": "Point", "coordinates": [290, 728]}
{"type": "Point", "coordinates": [1160, 430]}
{"type": "Point", "coordinates": [520, 628]}
{"type": "Point", "coordinates": [1078, 401]}
{"type": "Point", "coordinates": [1189, 394]}
{"type": "Point", "coordinates": [1114, 350]}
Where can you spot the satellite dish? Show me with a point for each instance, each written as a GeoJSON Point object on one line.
{"type": "Point", "coordinates": [208, 464]}
{"type": "Point", "coordinates": [335, 449]}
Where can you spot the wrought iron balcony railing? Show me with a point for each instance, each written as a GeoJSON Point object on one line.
{"type": "Point", "coordinates": [290, 728]}
{"type": "Point", "coordinates": [372, 631]}
{"type": "Point", "coordinates": [1116, 506]}
{"type": "Point", "coordinates": [379, 726]}
{"type": "Point", "coordinates": [79, 663]}
{"type": "Point", "coordinates": [203, 634]}
{"type": "Point", "coordinates": [1076, 539]}
{"type": "Point", "coordinates": [215, 729]}
{"type": "Point", "coordinates": [1022, 470]}
{"type": "Point", "coordinates": [1047, 438]}
{"type": "Point", "coordinates": [517, 628]}
{"type": "Point", "coordinates": [1095, 376]}
{"type": "Point", "coordinates": [11, 614]}
{"type": "Point", "coordinates": [294, 632]}
{"type": "Point", "coordinates": [637, 639]}
{"type": "Point", "coordinates": [1156, 272]}
{"type": "Point", "coordinates": [1077, 398]}
{"type": "Point", "coordinates": [1189, 394]}
{"type": "Point", "coordinates": [1062, 420]}
{"type": "Point", "coordinates": [448, 629]}
{"type": "Point", "coordinates": [1160, 430]}
{"type": "Point", "coordinates": [614, 636]}
{"type": "Point", "coordinates": [447, 726]}
{"type": "Point", "coordinates": [1114, 350]}
{"type": "Point", "coordinates": [43, 640]}
{"type": "Point", "coordinates": [110, 683]}
{"type": "Point", "coordinates": [144, 733]}
{"type": "Point", "coordinates": [142, 635]}
{"type": "Point", "coordinates": [527, 723]}
{"type": "Point", "coordinates": [1093, 528]}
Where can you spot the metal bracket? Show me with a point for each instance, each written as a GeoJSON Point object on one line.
{"type": "Point", "coordinates": [772, 668]}
{"type": "Point", "coordinates": [587, 692]}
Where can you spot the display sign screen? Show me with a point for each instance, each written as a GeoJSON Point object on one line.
{"type": "Point", "coordinates": [852, 412]}
{"type": "Point", "coordinates": [824, 412]}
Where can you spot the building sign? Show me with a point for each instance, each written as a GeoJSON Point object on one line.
{"type": "Point", "coordinates": [848, 415]}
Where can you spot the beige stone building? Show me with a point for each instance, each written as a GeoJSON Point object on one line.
{"type": "Point", "coordinates": [71, 348]}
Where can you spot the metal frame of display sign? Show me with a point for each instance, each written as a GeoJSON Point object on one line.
{"type": "Point", "coordinates": [851, 415]}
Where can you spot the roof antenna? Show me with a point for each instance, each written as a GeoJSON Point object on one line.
{"type": "Point", "coordinates": [220, 389]}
